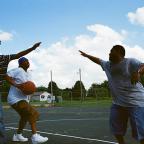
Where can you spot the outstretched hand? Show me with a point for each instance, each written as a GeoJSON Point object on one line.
{"type": "Point", "coordinates": [82, 53]}
{"type": "Point", "coordinates": [36, 45]}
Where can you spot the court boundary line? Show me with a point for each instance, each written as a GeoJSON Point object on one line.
{"type": "Point", "coordinates": [57, 120]}
{"type": "Point", "coordinates": [69, 136]}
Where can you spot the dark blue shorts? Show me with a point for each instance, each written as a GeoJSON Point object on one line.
{"type": "Point", "coordinates": [119, 117]}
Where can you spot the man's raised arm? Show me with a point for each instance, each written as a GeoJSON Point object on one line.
{"type": "Point", "coordinates": [92, 58]}
{"type": "Point", "coordinates": [22, 53]}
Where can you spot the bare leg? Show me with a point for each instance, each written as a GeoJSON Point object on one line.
{"type": "Point", "coordinates": [33, 127]}
{"type": "Point", "coordinates": [22, 124]}
{"type": "Point", "coordinates": [120, 139]}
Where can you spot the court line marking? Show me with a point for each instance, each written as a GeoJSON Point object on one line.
{"type": "Point", "coordinates": [77, 112]}
{"type": "Point", "coordinates": [69, 136]}
{"type": "Point", "coordinates": [57, 120]}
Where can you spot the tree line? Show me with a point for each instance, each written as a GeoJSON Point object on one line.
{"type": "Point", "coordinates": [77, 92]}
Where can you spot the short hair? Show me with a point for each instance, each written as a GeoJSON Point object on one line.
{"type": "Point", "coordinates": [120, 48]}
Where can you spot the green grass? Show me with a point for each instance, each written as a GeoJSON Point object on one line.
{"type": "Point", "coordinates": [74, 103]}
{"type": "Point", "coordinates": [89, 103]}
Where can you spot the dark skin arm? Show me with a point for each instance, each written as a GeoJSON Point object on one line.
{"type": "Point", "coordinates": [17, 56]}
{"type": "Point", "coordinates": [135, 77]}
{"type": "Point", "coordinates": [12, 82]}
{"type": "Point", "coordinates": [22, 53]}
{"type": "Point", "coordinates": [92, 58]}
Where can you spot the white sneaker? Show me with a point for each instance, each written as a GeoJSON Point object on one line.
{"type": "Point", "coordinates": [19, 137]}
{"type": "Point", "coordinates": [36, 138]}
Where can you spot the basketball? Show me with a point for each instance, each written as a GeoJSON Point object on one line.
{"type": "Point", "coordinates": [28, 88]}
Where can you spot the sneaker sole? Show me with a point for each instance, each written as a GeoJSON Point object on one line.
{"type": "Point", "coordinates": [34, 142]}
{"type": "Point", "coordinates": [19, 141]}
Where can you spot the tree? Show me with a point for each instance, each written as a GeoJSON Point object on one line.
{"type": "Point", "coordinates": [56, 91]}
{"type": "Point", "coordinates": [76, 90]}
{"type": "Point", "coordinates": [104, 84]}
{"type": "Point", "coordinates": [41, 88]}
{"type": "Point", "coordinates": [91, 91]}
{"type": "Point", "coordinates": [66, 93]}
{"type": "Point", "coordinates": [99, 91]}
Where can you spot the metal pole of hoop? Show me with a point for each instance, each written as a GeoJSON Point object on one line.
{"type": "Point", "coordinates": [52, 88]}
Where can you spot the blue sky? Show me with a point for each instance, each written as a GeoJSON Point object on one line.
{"type": "Point", "coordinates": [53, 21]}
{"type": "Point", "coordinates": [50, 20]}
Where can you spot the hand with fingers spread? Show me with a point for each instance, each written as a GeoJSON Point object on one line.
{"type": "Point", "coordinates": [83, 53]}
{"type": "Point", "coordinates": [92, 58]}
{"type": "Point", "coordinates": [36, 45]}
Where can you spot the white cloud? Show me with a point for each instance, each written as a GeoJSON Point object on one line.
{"type": "Point", "coordinates": [137, 17]}
{"type": "Point", "coordinates": [4, 36]}
{"type": "Point", "coordinates": [64, 59]}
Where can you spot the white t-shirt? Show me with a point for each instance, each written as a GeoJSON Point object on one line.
{"type": "Point", "coordinates": [15, 94]}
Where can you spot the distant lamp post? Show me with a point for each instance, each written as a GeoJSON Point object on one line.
{"type": "Point", "coordinates": [81, 85]}
{"type": "Point", "coordinates": [51, 88]}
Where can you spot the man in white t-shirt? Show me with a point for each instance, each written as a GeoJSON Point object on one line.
{"type": "Point", "coordinates": [19, 102]}
{"type": "Point", "coordinates": [4, 62]}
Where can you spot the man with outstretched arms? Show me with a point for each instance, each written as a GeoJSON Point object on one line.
{"type": "Point", "coordinates": [127, 92]}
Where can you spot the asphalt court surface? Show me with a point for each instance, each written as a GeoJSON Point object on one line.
{"type": "Point", "coordinates": [68, 125]}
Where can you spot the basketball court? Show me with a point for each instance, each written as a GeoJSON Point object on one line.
{"type": "Point", "coordinates": [68, 125]}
